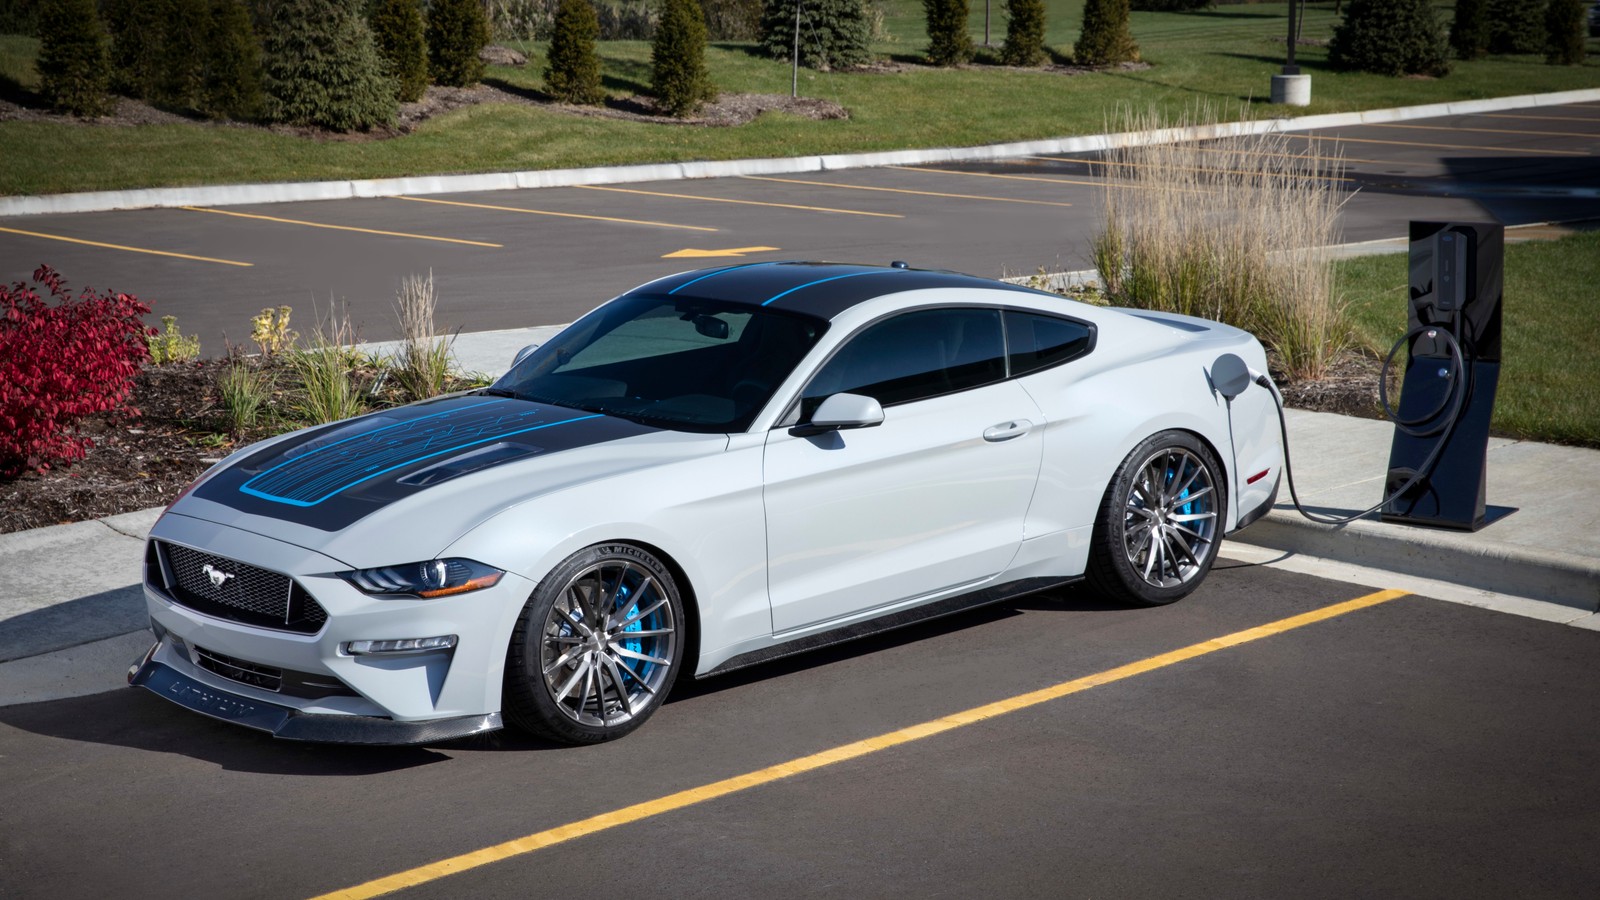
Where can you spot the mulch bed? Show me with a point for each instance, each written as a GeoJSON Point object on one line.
{"type": "Point", "coordinates": [145, 461]}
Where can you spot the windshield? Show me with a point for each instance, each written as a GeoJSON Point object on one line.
{"type": "Point", "coordinates": [684, 364]}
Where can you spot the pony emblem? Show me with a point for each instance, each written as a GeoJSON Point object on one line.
{"type": "Point", "coordinates": [217, 576]}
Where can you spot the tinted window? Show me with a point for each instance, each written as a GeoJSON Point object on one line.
{"type": "Point", "coordinates": [913, 356]}
{"type": "Point", "coordinates": [1038, 342]}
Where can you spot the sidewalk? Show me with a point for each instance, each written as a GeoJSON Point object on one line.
{"type": "Point", "coordinates": [73, 618]}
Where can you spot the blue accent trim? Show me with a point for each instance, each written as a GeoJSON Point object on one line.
{"type": "Point", "coordinates": [716, 273]}
{"type": "Point", "coordinates": [246, 489]}
{"type": "Point", "coordinates": [779, 296]}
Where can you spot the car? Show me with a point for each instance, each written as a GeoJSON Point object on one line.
{"type": "Point", "coordinates": [715, 469]}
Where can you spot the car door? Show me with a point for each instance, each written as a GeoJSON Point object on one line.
{"type": "Point", "coordinates": [932, 499]}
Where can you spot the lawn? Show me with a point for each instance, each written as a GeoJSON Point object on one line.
{"type": "Point", "coordinates": [1223, 57]}
{"type": "Point", "coordinates": [1550, 378]}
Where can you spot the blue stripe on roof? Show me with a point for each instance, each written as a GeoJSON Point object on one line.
{"type": "Point", "coordinates": [718, 272]}
{"type": "Point", "coordinates": [783, 294]}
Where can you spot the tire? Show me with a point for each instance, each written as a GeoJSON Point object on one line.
{"type": "Point", "coordinates": [1160, 522]}
{"type": "Point", "coordinates": [597, 647]}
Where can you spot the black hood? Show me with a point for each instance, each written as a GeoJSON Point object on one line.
{"type": "Point", "coordinates": [330, 477]}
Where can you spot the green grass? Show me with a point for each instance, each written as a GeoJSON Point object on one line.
{"type": "Point", "coordinates": [1550, 375]}
{"type": "Point", "coordinates": [1224, 56]}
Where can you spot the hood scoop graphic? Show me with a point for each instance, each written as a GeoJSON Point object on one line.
{"type": "Point", "coordinates": [466, 463]}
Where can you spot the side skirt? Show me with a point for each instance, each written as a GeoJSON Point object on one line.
{"type": "Point", "coordinates": [901, 619]}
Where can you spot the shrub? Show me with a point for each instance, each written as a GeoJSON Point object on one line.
{"type": "Point", "coordinates": [735, 20]}
{"type": "Point", "coordinates": [1390, 37]}
{"type": "Point", "coordinates": [635, 21]}
{"type": "Point", "coordinates": [948, 41]}
{"type": "Point", "coordinates": [180, 81]}
{"type": "Point", "coordinates": [245, 391]}
{"type": "Point", "coordinates": [1238, 230]}
{"type": "Point", "coordinates": [1105, 39]}
{"type": "Point", "coordinates": [326, 372]}
{"type": "Point", "coordinates": [1024, 44]}
{"type": "Point", "coordinates": [73, 58]}
{"type": "Point", "coordinates": [1169, 5]}
{"type": "Point", "coordinates": [423, 366]}
{"type": "Point", "coordinates": [19, 17]}
{"type": "Point", "coordinates": [136, 28]}
{"type": "Point", "coordinates": [457, 30]}
{"type": "Point", "coordinates": [170, 344]}
{"type": "Point", "coordinates": [1564, 32]}
{"type": "Point", "coordinates": [572, 73]}
{"type": "Point", "coordinates": [321, 68]}
{"type": "Point", "coordinates": [61, 359]}
{"type": "Point", "coordinates": [678, 76]}
{"type": "Point", "coordinates": [1516, 26]}
{"type": "Point", "coordinates": [397, 30]}
{"type": "Point", "coordinates": [1469, 29]}
{"type": "Point", "coordinates": [833, 33]}
{"type": "Point", "coordinates": [232, 64]}
{"type": "Point", "coordinates": [270, 331]}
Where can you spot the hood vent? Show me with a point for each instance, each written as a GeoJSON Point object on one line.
{"type": "Point", "coordinates": [481, 458]}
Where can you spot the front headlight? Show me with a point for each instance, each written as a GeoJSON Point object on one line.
{"type": "Point", "coordinates": [434, 578]}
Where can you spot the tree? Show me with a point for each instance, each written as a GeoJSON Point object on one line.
{"type": "Point", "coordinates": [1516, 26]}
{"type": "Point", "coordinates": [180, 82]}
{"type": "Point", "coordinates": [948, 41]}
{"type": "Point", "coordinates": [1390, 37]}
{"type": "Point", "coordinates": [321, 68]}
{"type": "Point", "coordinates": [137, 28]}
{"type": "Point", "coordinates": [833, 33]}
{"type": "Point", "coordinates": [1024, 44]}
{"type": "Point", "coordinates": [1105, 39]}
{"type": "Point", "coordinates": [457, 31]}
{"type": "Point", "coordinates": [1469, 30]}
{"type": "Point", "coordinates": [397, 29]}
{"type": "Point", "coordinates": [1564, 32]}
{"type": "Point", "coordinates": [232, 64]}
{"type": "Point", "coordinates": [74, 58]}
{"type": "Point", "coordinates": [573, 72]}
{"type": "Point", "coordinates": [678, 76]}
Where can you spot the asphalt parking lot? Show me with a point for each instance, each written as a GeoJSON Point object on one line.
{"type": "Point", "coordinates": [507, 259]}
{"type": "Point", "coordinates": [1397, 746]}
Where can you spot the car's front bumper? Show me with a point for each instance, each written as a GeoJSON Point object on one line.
{"type": "Point", "coordinates": [292, 724]}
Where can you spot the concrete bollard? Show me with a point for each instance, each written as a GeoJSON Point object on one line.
{"type": "Point", "coordinates": [1291, 90]}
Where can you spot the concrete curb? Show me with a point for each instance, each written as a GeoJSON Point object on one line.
{"type": "Point", "coordinates": [1559, 578]}
{"type": "Point", "coordinates": [294, 192]}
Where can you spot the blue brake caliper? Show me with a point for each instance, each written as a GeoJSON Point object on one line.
{"type": "Point", "coordinates": [626, 603]}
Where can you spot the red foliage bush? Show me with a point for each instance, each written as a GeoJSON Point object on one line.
{"type": "Point", "coordinates": [61, 359]}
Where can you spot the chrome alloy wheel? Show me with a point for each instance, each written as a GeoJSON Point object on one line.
{"type": "Point", "coordinates": [607, 644]}
{"type": "Point", "coordinates": [1170, 520]}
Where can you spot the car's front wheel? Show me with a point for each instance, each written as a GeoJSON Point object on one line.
{"type": "Point", "coordinates": [597, 647]}
{"type": "Point", "coordinates": [1160, 522]}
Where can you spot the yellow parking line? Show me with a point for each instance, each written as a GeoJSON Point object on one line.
{"type": "Point", "coordinates": [821, 209]}
{"type": "Point", "coordinates": [1537, 118]}
{"type": "Point", "coordinates": [73, 240]}
{"type": "Point", "coordinates": [694, 796]}
{"type": "Point", "coordinates": [997, 175]}
{"type": "Point", "coordinates": [562, 215]}
{"type": "Point", "coordinates": [1137, 165]}
{"type": "Point", "coordinates": [1571, 134]}
{"type": "Point", "coordinates": [420, 237]}
{"type": "Point", "coordinates": [1345, 159]}
{"type": "Point", "coordinates": [1524, 150]}
{"type": "Point", "coordinates": [862, 187]}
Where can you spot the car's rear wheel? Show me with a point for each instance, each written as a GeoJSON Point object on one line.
{"type": "Point", "coordinates": [597, 647]}
{"type": "Point", "coordinates": [1160, 522]}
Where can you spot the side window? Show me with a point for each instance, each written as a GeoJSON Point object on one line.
{"type": "Point", "coordinates": [1039, 342]}
{"type": "Point", "coordinates": [913, 356]}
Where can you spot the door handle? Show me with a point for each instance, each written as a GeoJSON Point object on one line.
{"type": "Point", "coordinates": [1005, 431]}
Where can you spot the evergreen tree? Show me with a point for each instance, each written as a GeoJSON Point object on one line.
{"type": "Point", "coordinates": [74, 58]}
{"type": "Point", "coordinates": [1105, 39]}
{"type": "Point", "coordinates": [457, 31]}
{"type": "Point", "coordinates": [180, 82]}
{"type": "Point", "coordinates": [948, 41]}
{"type": "Point", "coordinates": [232, 64]}
{"type": "Point", "coordinates": [397, 29]}
{"type": "Point", "coordinates": [833, 33]}
{"type": "Point", "coordinates": [137, 28]}
{"type": "Point", "coordinates": [1390, 37]}
{"type": "Point", "coordinates": [321, 68]}
{"type": "Point", "coordinates": [1516, 26]}
{"type": "Point", "coordinates": [1024, 44]}
{"type": "Point", "coordinates": [1469, 30]}
{"type": "Point", "coordinates": [573, 72]}
{"type": "Point", "coordinates": [678, 76]}
{"type": "Point", "coordinates": [1564, 32]}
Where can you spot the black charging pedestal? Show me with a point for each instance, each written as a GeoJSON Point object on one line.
{"type": "Point", "coordinates": [1456, 272]}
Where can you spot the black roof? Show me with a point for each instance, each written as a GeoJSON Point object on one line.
{"type": "Point", "coordinates": [820, 289]}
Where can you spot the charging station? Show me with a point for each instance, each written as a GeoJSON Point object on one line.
{"type": "Point", "coordinates": [1441, 438]}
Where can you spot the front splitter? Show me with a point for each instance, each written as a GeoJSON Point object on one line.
{"type": "Point", "coordinates": [292, 724]}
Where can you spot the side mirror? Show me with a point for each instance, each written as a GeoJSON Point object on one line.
{"type": "Point", "coordinates": [839, 412]}
{"type": "Point", "coordinates": [523, 354]}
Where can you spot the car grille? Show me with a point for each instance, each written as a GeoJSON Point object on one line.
{"type": "Point", "coordinates": [263, 677]}
{"type": "Point", "coordinates": [246, 593]}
